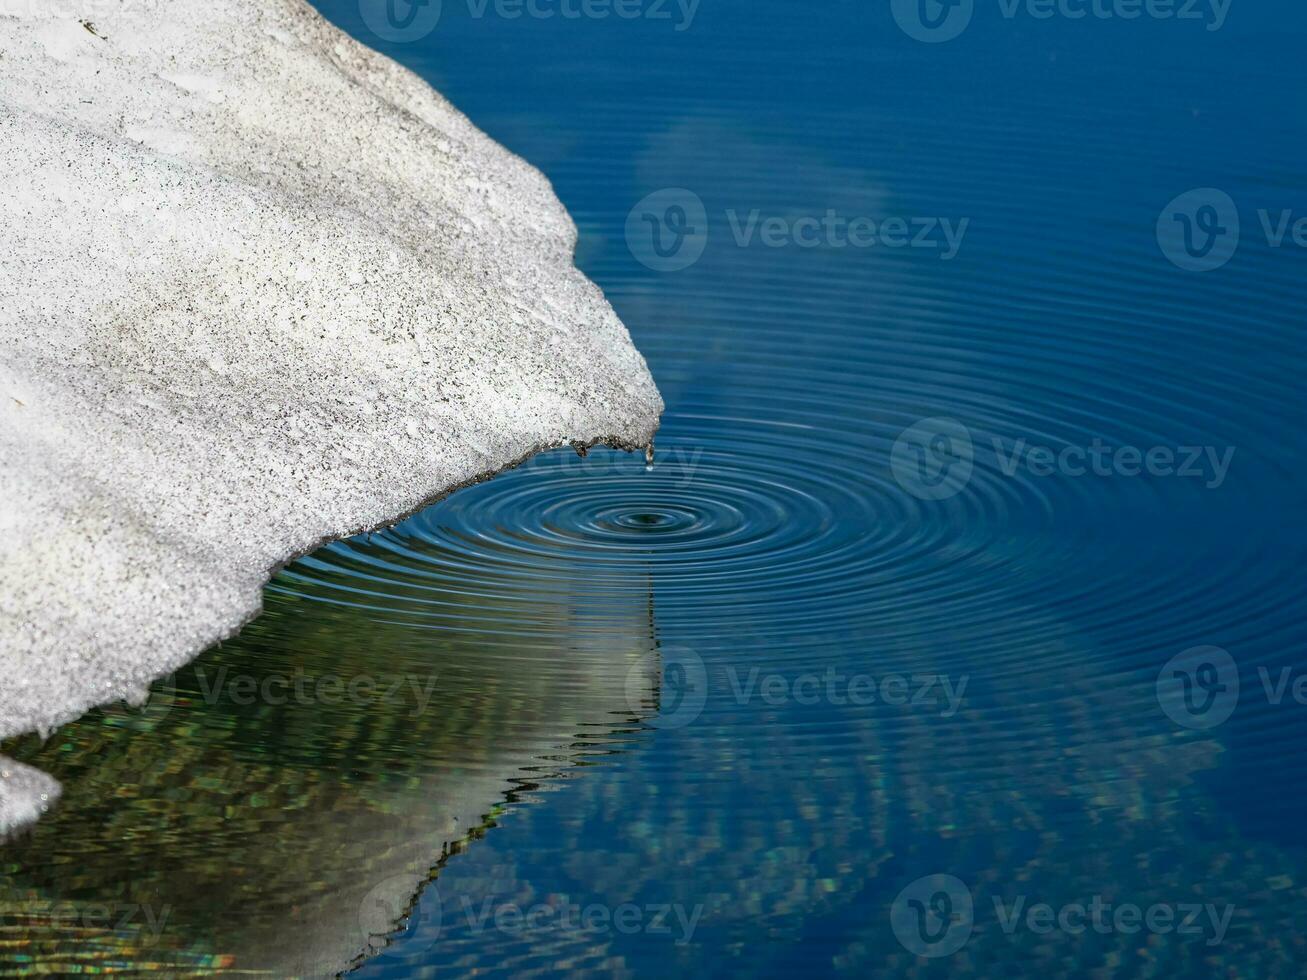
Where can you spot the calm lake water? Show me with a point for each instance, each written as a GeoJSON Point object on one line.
{"type": "Point", "coordinates": [957, 628]}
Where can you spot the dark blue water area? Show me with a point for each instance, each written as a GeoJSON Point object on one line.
{"type": "Point", "coordinates": [963, 530]}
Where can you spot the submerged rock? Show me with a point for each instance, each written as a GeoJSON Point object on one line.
{"type": "Point", "coordinates": [262, 287]}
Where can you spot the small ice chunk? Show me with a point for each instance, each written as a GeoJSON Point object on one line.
{"type": "Point", "coordinates": [25, 794]}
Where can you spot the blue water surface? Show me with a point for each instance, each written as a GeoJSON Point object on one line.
{"type": "Point", "coordinates": [974, 543]}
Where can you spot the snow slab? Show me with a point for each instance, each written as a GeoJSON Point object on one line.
{"type": "Point", "coordinates": [261, 288]}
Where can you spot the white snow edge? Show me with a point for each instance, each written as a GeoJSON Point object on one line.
{"type": "Point", "coordinates": [262, 288]}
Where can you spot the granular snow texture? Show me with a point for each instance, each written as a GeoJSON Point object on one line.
{"type": "Point", "coordinates": [262, 287]}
